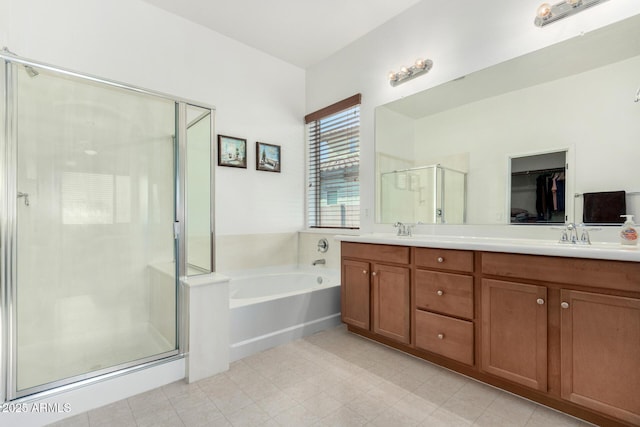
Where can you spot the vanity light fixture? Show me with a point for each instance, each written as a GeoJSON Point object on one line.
{"type": "Point", "coordinates": [547, 13]}
{"type": "Point", "coordinates": [637, 96]}
{"type": "Point", "coordinates": [421, 66]}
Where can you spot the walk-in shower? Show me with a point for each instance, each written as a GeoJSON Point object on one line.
{"type": "Point", "coordinates": [94, 187]}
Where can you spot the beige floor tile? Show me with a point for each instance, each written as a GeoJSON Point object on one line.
{"type": "Point", "coordinates": [367, 406]}
{"type": "Point", "coordinates": [343, 417]}
{"type": "Point", "coordinates": [179, 387]}
{"type": "Point", "coordinates": [322, 404]}
{"type": "Point", "coordinates": [260, 389]}
{"type": "Point", "coordinates": [415, 407]}
{"type": "Point", "coordinates": [249, 416]}
{"type": "Point", "coordinates": [231, 402]}
{"type": "Point", "coordinates": [172, 421]}
{"type": "Point", "coordinates": [303, 391]}
{"type": "Point", "coordinates": [491, 420]}
{"type": "Point", "coordinates": [298, 416]}
{"type": "Point", "coordinates": [144, 401]}
{"type": "Point", "coordinates": [192, 398]}
{"type": "Point", "coordinates": [512, 408]}
{"type": "Point", "coordinates": [546, 417]}
{"type": "Point", "coordinates": [276, 403]}
{"type": "Point", "coordinates": [206, 414]}
{"type": "Point", "coordinates": [443, 418]}
{"type": "Point", "coordinates": [80, 420]}
{"type": "Point", "coordinates": [108, 412]}
{"type": "Point", "coordinates": [332, 378]}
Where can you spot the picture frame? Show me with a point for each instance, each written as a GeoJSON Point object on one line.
{"type": "Point", "coordinates": [268, 157]}
{"type": "Point", "coordinates": [232, 151]}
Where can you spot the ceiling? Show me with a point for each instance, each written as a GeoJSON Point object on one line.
{"type": "Point", "coordinates": [301, 32]}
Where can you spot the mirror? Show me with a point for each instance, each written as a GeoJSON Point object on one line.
{"type": "Point", "coordinates": [575, 97]}
{"type": "Point", "coordinates": [198, 203]}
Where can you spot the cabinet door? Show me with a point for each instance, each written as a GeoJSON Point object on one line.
{"type": "Point", "coordinates": [391, 315]}
{"type": "Point", "coordinates": [514, 332]}
{"type": "Point", "coordinates": [600, 348]}
{"type": "Point", "coordinates": [355, 293]}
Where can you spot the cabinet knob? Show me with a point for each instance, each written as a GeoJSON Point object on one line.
{"type": "Point", "coordinates": [440, 259]}
{"type": "Point", "coordinates": [540, 301]}
{"type": "Point", "coordinates": [374, 274]}
{"type": "Point", "coordinates": [439, 292]}
{"type": "Point", "coordinates": [564, 304]}
{"type": "Point", "coordinates": [364, 271]}
{"type": "Point", "coordinates": [440, 336]}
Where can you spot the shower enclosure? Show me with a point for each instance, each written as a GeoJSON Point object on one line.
{"type": "Point", "coordinates": [93, 236]}
{"type": "Point", "coordinates": [426, 195]}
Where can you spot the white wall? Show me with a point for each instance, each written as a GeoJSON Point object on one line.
{"type": "Point", "coordinates": [459, 39]}
{"type": "Point", "coordinates": [257, 97]}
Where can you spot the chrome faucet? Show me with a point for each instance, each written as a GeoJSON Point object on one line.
{"type": "Point", "coordinates": [319, 261]}
{"type": "Point", "coordinates": [576, 234]}
{"type": "Point", "coordinates": [403, 229]}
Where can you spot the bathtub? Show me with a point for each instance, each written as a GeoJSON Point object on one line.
{"type": "Point", "coordinates": [269, 308]}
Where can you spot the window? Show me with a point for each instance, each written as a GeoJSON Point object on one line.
{"type": "Point", "coordinates": [333, 198]}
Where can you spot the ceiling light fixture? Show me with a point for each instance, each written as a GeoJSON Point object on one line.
{"type": "Point", "coordinates": [546, 13]}
{"type": "Point", "coordinates": [421, 66]}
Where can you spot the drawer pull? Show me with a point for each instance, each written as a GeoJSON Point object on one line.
{"type": "Point", "coordinates": [374, 274]}
{"type": "Point", "coordinates": [440, 259]}
{"type": "Point", "coordinates": [564, 304]}
{"type": "Point", "coordinates": [439, 292]}
{"type": "Point", "coordinates": [440, 336]}
{"type": "Point", "coordinates": [364, 271]}
{"type": "Point", "coordinates": [540, 301]}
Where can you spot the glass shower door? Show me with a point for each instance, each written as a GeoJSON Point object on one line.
{"type": "Point", "coordinates": [95, 283]}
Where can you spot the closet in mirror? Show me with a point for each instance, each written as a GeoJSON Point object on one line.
{"type": "Point", "coordinates": [538, 188]}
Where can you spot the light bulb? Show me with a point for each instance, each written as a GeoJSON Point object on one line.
{"type": "Point", "coordinates": [573, 2]}
{"type": "Point", "coordinates": [420, 63]}
{"type": "Point", "coordinates": [544, 11]}
{"type": "Point", "coordinates": [393, 76]}
{"type": "Point", "coordinates": [404, 71]}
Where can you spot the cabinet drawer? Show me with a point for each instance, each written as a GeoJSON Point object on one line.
{"type": "Point", "coordinates": [446, 259]}
{"type": "Point", "coordinates": [445, 293]}
{"type": "Point", "coordinates": [576, 271]}
{"type": "Point", "coordinates": [371, 252]}
{"type": "Point", "coordinates": [449, 337]}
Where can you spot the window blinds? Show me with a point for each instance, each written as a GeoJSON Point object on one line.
{"type": "Point", "coordinates": [333, 198]}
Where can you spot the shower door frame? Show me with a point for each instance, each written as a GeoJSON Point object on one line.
{"type": "Point", "coordinates": [8, 234]}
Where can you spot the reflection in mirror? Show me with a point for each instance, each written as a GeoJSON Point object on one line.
{"type": "Point", "coordinates": [538, 188]}
{"type": "Point", "coordinates": [198, 180]}
{"type": "Point", "coordinates": [575, 97]}
{"type": "Point", "coordinates": [423, 195]}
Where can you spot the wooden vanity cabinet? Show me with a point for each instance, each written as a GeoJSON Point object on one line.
{"type": "Point", "coordinates": [561, 331]}
{"type": "Point", "coordinates": [514, 332]}
{"type": "Point", "coordinates": [443, 303]}
{"type": "Point", "coordinates": [600, 341]}
{"type": "Point", "coordinates": [391, 296]}
{"type": "Point", "coordinates": [376, 282]}
{"type": "Point", "coordinates": [356, 293]}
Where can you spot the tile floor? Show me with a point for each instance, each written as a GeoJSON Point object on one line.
{"type": "Point", "coordinates": [332, 378]}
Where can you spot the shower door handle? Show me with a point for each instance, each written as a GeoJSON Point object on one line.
{"type": "Point", "coordinates": [26, 197]}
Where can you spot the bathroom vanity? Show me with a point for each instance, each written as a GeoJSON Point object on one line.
{"type": "Point", "coordinates": [557, 324]}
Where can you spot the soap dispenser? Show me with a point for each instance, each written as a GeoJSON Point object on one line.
{"type": "Point", "coordinates": [628, 234]}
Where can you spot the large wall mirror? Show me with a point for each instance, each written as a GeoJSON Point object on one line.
{"type": "Point", "coordinates": [566, 112]}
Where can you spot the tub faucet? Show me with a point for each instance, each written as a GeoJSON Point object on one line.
{"type": "Point", "coordinates": [319, 261]}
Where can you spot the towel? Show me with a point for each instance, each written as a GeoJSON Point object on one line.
{"type": "Point", "coordinates": [604, 207]}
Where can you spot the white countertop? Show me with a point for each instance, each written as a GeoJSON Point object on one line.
{"type": "Point", "coordinates": [597, 250]}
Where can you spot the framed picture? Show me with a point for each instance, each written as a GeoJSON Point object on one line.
{"type": "Point", "coordinates": [232, 151]}
{"type": "Point", "coordinates": [267, 157]}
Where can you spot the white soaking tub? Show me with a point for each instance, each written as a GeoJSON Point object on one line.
{"type": "Point", "coordinates": [270, 308]}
